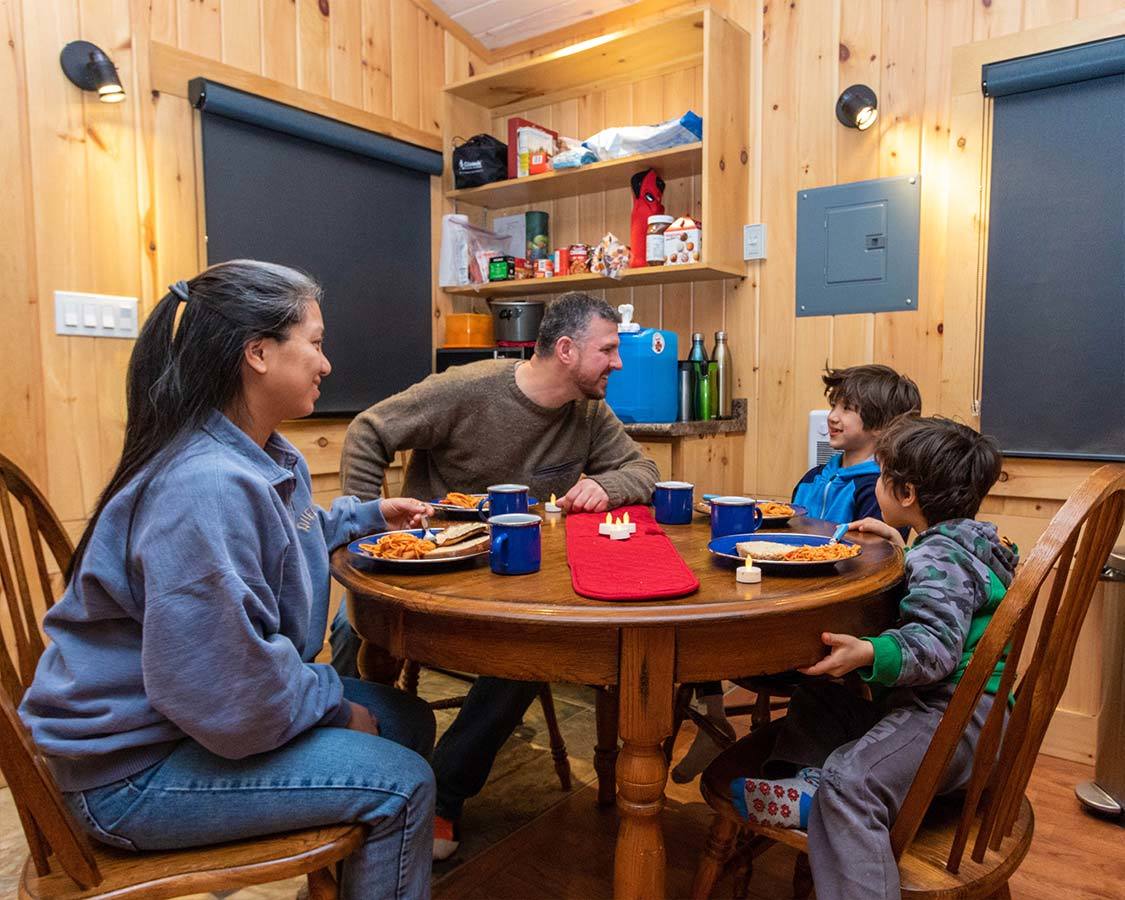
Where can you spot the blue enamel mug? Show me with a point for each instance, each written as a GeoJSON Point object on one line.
{"type": "Point", "coordinates": [734, 515]}
{"type": "Point", "coordinates": [672, 501]}
{"type": "Point", "coordinates": [503, 499]}
{"type": "Point", "coordinates": [515, 548]}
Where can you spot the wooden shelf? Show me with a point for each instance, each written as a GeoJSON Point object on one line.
{"type": "Point", "coordinates": [677, 162]}
{"type": "Point", "coordinates": [628, 53]}
{"type": "Point", "coordinates": [630, 278]}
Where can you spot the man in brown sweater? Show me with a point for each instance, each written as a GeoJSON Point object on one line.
{"type": "Point", "coordinates": [543, 423]}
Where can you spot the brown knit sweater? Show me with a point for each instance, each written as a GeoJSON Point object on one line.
{"type": "Point", "coordinates": [471, 426]}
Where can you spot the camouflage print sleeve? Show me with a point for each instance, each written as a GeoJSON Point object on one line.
{"type": "Point", "coordinates": [943, 590]}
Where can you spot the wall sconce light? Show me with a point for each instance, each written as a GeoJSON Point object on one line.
{"type": "Point", "coordinates": [858, 107]}
{"type": "Point", "coordinates": [88, 67]}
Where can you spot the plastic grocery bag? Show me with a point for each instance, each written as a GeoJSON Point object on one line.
{"type": "Point", "coordinates": [614, 143]}
{"type": "Point", "coordinates": [465, 251]}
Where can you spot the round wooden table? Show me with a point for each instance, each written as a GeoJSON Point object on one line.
{"type": "Point", "coordinates": [536, 628]}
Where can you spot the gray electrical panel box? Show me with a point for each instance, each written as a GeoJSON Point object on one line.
{"type": "Point", "coordinates": [857, 247]}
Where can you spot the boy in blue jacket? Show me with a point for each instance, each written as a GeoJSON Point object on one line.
{"type": "Point", "coordinates": [864, 400]}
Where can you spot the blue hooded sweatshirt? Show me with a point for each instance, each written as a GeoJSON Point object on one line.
{"type": "Point", "coordinates": [203, 621]}
{"type": "Point", "coordinates": [839, 493]}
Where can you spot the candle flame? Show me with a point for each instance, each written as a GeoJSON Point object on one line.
{"type": "Point", "coordinates": [608, 519]}
{"type": "Point", "coordinates": [617, 521]}
{"type": "Point", "coordinates": [554, 502]}
{"type": "Point", "coordinates": [625, 518]}
{"type": "Point", "coordinates": [749, 563]}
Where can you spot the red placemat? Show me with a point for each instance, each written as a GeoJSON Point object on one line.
{"type": "Point", "coordinates": [645, 567]}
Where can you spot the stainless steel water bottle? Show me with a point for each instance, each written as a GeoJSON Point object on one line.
{"type": "Point", "coordinates": [721, 355]}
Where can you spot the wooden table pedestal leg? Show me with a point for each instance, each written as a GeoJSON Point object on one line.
{"type": "Point", "coordinates": [645, 702]}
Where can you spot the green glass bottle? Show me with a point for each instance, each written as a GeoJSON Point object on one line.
{"type": "Point", "coordinates": [702, 386]}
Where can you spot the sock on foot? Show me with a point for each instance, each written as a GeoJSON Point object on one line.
{"type": "Point", "coordinates": [784, 802]}
{"type": "Point", "coordinates": [704, 748]}
{"type": "Point", "coordinates": [447, 837]}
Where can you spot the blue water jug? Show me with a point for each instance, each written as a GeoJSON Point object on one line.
{"type": "Point", "coordinates": [644, 390]}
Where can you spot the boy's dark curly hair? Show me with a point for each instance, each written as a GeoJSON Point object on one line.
{"type": "Point", "coordinates": [951, 466]}
{"type": "Point", "coordinates": [878, 393]}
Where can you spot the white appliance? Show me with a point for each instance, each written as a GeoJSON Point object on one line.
{"type": "Point", "coordinates": [820, 451]}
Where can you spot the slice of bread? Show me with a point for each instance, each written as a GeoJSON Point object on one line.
{"type": "Point", "coordinates": [760, 549]}
{"type": "Point", "coordinates": [463, 548]}
{"type": "Point", "coordinates": [455, 534]}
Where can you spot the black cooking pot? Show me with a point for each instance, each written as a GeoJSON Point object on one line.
{"type": "Point", "coordinates": [516, 321]}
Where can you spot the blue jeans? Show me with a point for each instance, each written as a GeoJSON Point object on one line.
{"type": "Point", "coordinates": [464, 756]}
{"type": "Point", "coordinates": [325, 776]}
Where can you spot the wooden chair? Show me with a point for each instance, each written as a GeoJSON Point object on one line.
{"type": "Point", "coordinates": [63, 863]}
{"type": "Point", "coordinates": [993, 817]}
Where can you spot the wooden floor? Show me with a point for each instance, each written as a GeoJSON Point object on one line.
{"type": "Point", "coordinates": [527, 839]}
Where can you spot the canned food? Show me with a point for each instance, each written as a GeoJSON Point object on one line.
{"type": "Point", "coordinates": [544, 268]}
{"type": "Point", "coordinates": [562, 261]}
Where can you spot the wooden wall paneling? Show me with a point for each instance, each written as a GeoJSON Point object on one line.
{"type": "Point", "coordinates": [648, 109]}
{"type": "Point", "coordinates": [591, 211]}
{"type": "Point", "coordinates": [241, 28]}
{"type": "Point", "coordinates": [564, 228]}
{"type": "Point", "coordinates": [708, 298]}
{"type": "Point", "coordinates": [431, 51]}
{"type": "Point", "coordinates": [618, 203]}
{"type": "Point", "coordinates": [174, 189]}
{"type": "Point", "coordinates": [1037, 13]}
{"type": "Point", "coordinates": [115, 241]}
{"type": "Point", "coordinates": [405, 92]}
{"type": "Point", "coordinates": [947, 25]}
{"type": "Point", "coordinates": [679, 95]}
{"type": "Point", "coordinates": [143, 100]}
{"type": "Point", "coordinates": [163, 24]}
{"type": "Point", "coordinates": [346, 56]}
{"type": "Point", "coordinates": [781, 440]}
{"type": "Point", "coordinates": [62, 227]}
{"type": "Point", "coordinates": [900, 337]}
{"type": "Point", "coordinates": [377, 94]}
{"type": "Point", "coordinates": [1097, 7]}
{"type": "Point", "coordinates": [21, 394]}
{"type": "Point", "coordinates": [660, 452]}
{"type": "Point", "coordinates": [314, 45]}
{"type": "Point", "coordinates": [996, 18]}
{"type": "Point", "coordinates": [279, 41]}
{"type": "Point", "coordinates": [200, 27]}
{"type": "Point", "coordinates": [818, 54]}
{"type": "Point", "coordinates": [857, 152]}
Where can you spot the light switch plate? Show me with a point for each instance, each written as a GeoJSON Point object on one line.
{"type": "Point", "coordinates": [95, 315]}
{"type": "Point", "coordinates": [754, 241]}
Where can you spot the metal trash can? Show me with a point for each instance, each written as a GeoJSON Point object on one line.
{"type": "Point", "coordinates": [1106, 793]}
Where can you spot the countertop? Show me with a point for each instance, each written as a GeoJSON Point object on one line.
{"type": "Point", "coordinates": [734, 425]}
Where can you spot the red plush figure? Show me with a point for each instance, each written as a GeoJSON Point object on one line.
{"type": "Point", "coordinates": [648, 195]}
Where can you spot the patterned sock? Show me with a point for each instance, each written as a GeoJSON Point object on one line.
{"type": "Point", "coordinates": [785, 802]}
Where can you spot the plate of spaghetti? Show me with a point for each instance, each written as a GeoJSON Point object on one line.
{"type": "Point", "coordinates": [456, 505]}
{"type": "Point", "coordinates": [413, 548]}
{"type": "Point", "coordinates": [774, 512]}
{"type": "Point", "coordinates": [784, 550]}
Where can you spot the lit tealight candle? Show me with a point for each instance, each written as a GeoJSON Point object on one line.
{"type": "Point", "coordinates": [631, 527]}
{"type": "Point", "coordinates": [606, 527]}
{"type": "Point", "coordinates": [748, 573]}
{"type": "Point", "coordinates": [552, 505]}
{"type": "Point", "coordinates": [619, 532]}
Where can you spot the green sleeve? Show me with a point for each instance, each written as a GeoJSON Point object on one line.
{"type": "Point", "coordinates": [887, 665]}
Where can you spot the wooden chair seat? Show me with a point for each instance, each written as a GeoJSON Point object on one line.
{"type": "Point", "coordinates": [216, 867]}
{"type": "Point", "coordinates": [922, 867]}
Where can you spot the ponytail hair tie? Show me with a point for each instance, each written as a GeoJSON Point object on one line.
{"type": "Point", "coordinates": [180, 289]}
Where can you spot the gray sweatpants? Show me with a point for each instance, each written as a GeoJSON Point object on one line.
{"type": "Point", "coordinates": [869, 752]}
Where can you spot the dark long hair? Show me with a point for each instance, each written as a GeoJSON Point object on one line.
{"type": "Point", "coordinates": [179, 374]}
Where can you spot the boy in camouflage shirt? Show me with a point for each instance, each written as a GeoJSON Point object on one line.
{"type": "Point", "coordinates": [855, 759]}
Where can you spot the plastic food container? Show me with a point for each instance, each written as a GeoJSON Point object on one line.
{"type": "Point", "coordinates": [467, 330]}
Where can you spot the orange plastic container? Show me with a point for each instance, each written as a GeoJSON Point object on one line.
{"type": "Point", "coordinates": [467, 330]}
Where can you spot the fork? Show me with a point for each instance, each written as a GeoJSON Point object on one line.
{"type": "Point", "coordinates": [840, 531]}
{"type": "Point", "coordinates": [426, 533]}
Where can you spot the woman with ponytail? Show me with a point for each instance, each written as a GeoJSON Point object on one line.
{"type": "Point", "coordinates": [177, 703]}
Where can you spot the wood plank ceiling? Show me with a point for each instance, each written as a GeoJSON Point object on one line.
{"type": "Point", "coordinates": [498, 23]}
